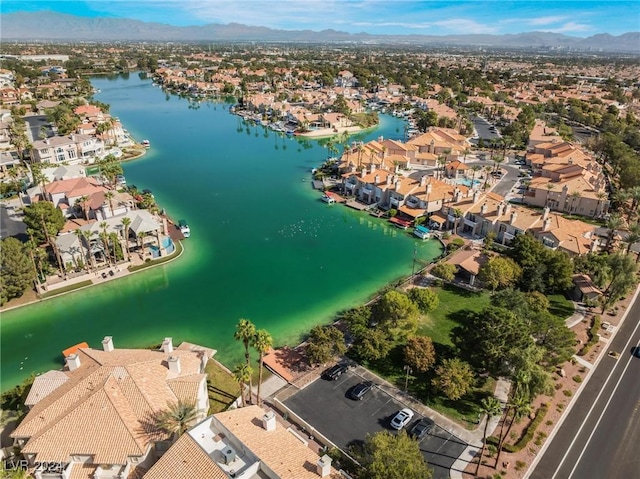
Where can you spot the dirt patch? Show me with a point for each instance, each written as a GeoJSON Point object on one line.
{"type": "Point", "coordinates": [567, 379]}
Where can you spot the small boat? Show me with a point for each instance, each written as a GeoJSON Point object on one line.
{"type": "Point", "coordinates": [74, 349]}
{"type": "Point", "coordinates": [422, 232]}
{"type": "Point", "coordinates": [146, 143]}
{"type": "Point", "coordinates": [328, 198]}
{"type": "Point", "coordinates": [400, 223]}
{"type": "Point", "coordinates": [184, 228]}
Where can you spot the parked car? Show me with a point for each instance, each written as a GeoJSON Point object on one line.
{"type": "Point", "coordinates": [402, 418]}
{"type": "Point", "coordinates": [335, 372]}
{"type": "Point", "coordinates": [359, 391]}
{"type": "Point", "coordinates": [421, 428]}
{"type": "Point", "coordinates": [637, 351]}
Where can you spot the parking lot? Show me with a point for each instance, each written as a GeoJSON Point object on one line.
{"type": "Point", "coordinates": [324, 405]}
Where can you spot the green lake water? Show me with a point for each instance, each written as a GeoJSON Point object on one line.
{"type": "Point", "coordinates": [263, 246]}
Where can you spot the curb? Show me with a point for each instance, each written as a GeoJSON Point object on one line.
{"type": "Point", "coordinates": [568, 409]}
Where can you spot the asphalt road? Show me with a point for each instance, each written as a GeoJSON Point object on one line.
{"type": "Point", "coordinates": [482, 127]}
{"type": "Point", "coordinates": [600, 438]}
{"type": "Point", "coordinates": [10, 227]}
{"type": "Point", "coordinates": [324, 405]}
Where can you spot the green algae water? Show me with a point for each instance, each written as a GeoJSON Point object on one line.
{"type": "Point", "coordinates": [263, 246]}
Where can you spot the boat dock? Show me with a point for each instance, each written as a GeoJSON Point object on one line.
{"type": "Point", "coordinates": [356, 205]}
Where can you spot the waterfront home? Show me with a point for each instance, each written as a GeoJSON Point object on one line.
{"type": "Point", "coordinates": [440, 141]}
{"type": "Point", "coordinates": [86, 197]}
{"type": "Point", "coordinates": [431, 196]}
{"type": "Point", "coordinates": [99, 423]}
{"type": "Point", "coordinates": [71, 149]}
{"type": "Point", "coordinates": [247, 442]}
{"type": "Point", "coordinates": [468, 263]}
{"type": "Point", "coordinates": [144, 233]}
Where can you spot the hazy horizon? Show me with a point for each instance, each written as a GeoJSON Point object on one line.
{"type": "Point", "coordinates": [400, 17]}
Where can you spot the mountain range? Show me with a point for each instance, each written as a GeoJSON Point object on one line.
{"type": "Point", "coordinates": [44, 25]}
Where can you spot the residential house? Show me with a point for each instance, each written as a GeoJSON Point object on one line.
{"type": "Point", "coordinates": [574, 237]}
{"type": "Point", "coordinates": [430, 197]}
{"type": "Point", "coordinates": [248, 442]}
{"type": "Point", "coordinates": [86, 197]}
{"type": "Point", "coordinates": [468, 263]}
{"type": "Point", "coordinates": [99, 423]}
{"type": "Point", "coordinates": [71, 149]}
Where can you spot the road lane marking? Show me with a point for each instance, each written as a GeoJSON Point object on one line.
{"type": "Point", "coordinates": [575, 438]}
{"type": "Point", "coordinates": [604, 410]}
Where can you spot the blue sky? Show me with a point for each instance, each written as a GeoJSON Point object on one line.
{"type": "Point", "coordinates": [580, 18]}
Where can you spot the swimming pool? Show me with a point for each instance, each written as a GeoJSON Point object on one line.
{"type": "Point", "coordinates": [167, 244]}
{"type": "Point", "coordinates": [467, 182]}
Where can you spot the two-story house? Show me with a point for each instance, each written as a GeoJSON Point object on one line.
{"type": "Point", "coordinates": [71, 149]}
{"type": "Point", "coordinates": [99, 422]}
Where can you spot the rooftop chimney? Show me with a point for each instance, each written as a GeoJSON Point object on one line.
{"type": "Point", "coordinates": [476, 196]}
{"type": "Point", "coordinates": [545, 213]}
{"type": "Point", "coordinates": [372, 168]}
{"type": "Point", "coordinates": [376, 179]}
{"type": "Point", "coordinates": [546, 224]}
{"type": "Point", "coordinates": [324, 466]}
{"type": "Point", "coordinates": [501, 208]}
{"type": "Point", "coordinates": [429, 188]}
{"type": "Point", "coordinates": [397, 185]}
{"type": "Point", "coordinates": [423, 180]}
{"type": "Point", "coordinates": [174, 364]}
{"type": "Point", "coordinates": [107, 343]}
{"type": "Point", "coordinates": [507, 209]}
{"type": "Point", "coordinates": [363, 173]}
{"type": "Point", "coordinates": [514, 215]}
{"type": "Point", "coordinates": [167, 345]}
{"type": "Point", "coordinates": [269, 421]}
{"type": "Point", "coordinates": [483, 209]}
{"type": "Point", "coordinates": [73, 362]}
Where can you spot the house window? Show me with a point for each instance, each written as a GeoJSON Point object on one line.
{"type": "Point", "coordinates": [60, 157]}
{"type": "Point", "coordinates": [72, 154]}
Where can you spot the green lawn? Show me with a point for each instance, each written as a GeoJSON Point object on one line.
{"type": "Point", "coordinates": [223, 388]}
{"type": "Point", "coordinates": [450, 312]}
{"type": "Point", "coordinates": [560, 306]}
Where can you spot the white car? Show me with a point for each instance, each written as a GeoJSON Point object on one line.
{"type": "Point", "coordinates": [402, 418]}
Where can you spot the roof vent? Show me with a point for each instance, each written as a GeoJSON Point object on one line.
{"type": "Point", "coordinates": [229, 455]}
{"type": "Point", "coordinates": [174, 364]}
{"type": "Point", "coordinates": [269, 421]}
{"type": "Point", "coordinates": [107, 343]}
{"type": "Point", "coordinates": [167, 345]}
{"type": "Point", "coordinates": [73, 362]}
{"type": "Point", "coordinates": [324, 466]}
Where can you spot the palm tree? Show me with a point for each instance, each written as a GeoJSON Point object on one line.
{"type": "Point", "coordinates": [261, 342]}
{"type": "Point", "coordinates": [633, 236]}
{"type": "Point", "coordinates": [614, 222]}
{"type": "Point", "coordinates": [550, 186]}
{"type": "Point", "coordinates": [105, 240]}
{"type": "Point", "coordinates": [177, 418]}
{"type": "Point", "coordinates": [245, 331]}
{"type": "Point", "coordinates": [81, 236]}
{"type": "Point", "coordinates": [601, 196]}
{"type": "Point", "coordinates": [520, 407]}
{"type": "Point", "coordinates": [457, 213]}
{"type": "Point", "coordinates": [82, 202]}
{"type": "Point", "coordinates": [574, 196]}
{"type": "Point", "coordinates": [242, 374]}
{"type": "Point", "coordinates": [491, 407]}
{"type": "Point", "coordinates": [109, 196]}
{"type": "Point", "coordinates": [126, 222]}
{"type": "Point", "coordinates": [475, 169]}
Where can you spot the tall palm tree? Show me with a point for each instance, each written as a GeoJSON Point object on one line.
{"type": "Point", "coordinates": [81, 236]}
{"type": "Point", "coordinates": [126, 222]}
{"type": "Point", "coordinates": [575, 197]}
{"type": "Point", "coordinates": [492, 408]}
{"type": "Point", "coordinates": [109, 196]}
{"type": "Point", "coordinates": [475, 169]}
{"type": "Point", "coordinates": [261, 342]}
{"type": "Point", "coordinates": [104, 237]}
{"type": "Point", "coordinates": [614, 222]}
{"type": "Point", "coordinates": [242, 374]}
{"type": "Point", "coordinates": [245, 331]}
{"type": "Point", "coordinates": [633, 236]}
{"type": "Point", "coordinates": [520, 406]}
{"type": "Point", "coordinates": [550, 186]}
{"type": "Point", "coordinates": [177, 418]}
{"type": "Point", "coordinates": [601, 196]}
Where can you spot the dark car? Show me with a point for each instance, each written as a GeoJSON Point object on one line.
{"type": "Point", "coordinates": [335, 372]}
{"type": "Point", "coordinates": [637, 351]}
{"type": "Point", "coordinates": [421, 428]}
{"type": "Point", "coordinates": [359, 391]}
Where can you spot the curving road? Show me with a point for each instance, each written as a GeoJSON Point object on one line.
{"type": "Point", "coordinates": [600, 437]}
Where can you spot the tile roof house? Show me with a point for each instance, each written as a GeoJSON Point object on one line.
{"type": "Point", "coordinates": [246, 442]}
{"type": "Point", "coordinates": [71, 149]}
{"type": "Point", "coordinates": [99, 422]}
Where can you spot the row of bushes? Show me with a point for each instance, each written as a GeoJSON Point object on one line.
{"type": "Point", "coordinates": [593, 336]}
{"type": "Point", "coordinates": [526, 437]}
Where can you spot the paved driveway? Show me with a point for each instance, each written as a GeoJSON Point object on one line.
{"type": "Point", "coordinates": [11, 227]}
{"type": "Point", "coordinates": [324, 405]}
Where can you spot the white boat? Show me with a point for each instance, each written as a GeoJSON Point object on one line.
{"type": "Point", "coordinates": [146, 143]}
{"type": "Point", "coordinates": [184, 228]}
{"type": "Point", "coordinates": [328, 199]}
{"type": "Point", "coordinates": [422, 232]}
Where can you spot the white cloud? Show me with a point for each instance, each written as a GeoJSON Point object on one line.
{"type": "Point", "coordinates": [463, 25]}
{"type": "Point", "coordinates": [570, 27]}
{"type": "Point", "coordinates": [546, 20]}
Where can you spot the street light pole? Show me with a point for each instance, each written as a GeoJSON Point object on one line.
{"type": "Point", "coordinates": [406, 381]}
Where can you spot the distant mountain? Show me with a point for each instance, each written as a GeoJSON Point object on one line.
{"type": "Point", "coordinates": [44, 25]}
